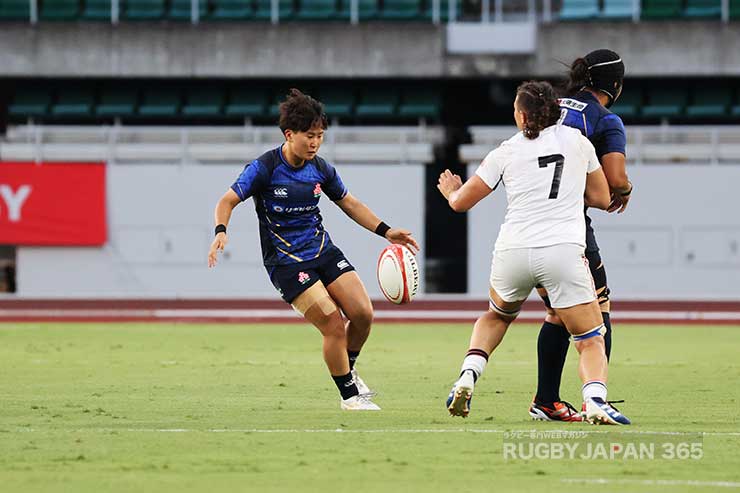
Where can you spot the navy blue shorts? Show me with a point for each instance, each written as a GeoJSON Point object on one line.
{"type": "Point", "coordinates": [291, 280]}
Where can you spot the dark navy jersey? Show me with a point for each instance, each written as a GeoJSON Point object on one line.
{"type": "Point", "coordinates": [287, 203]}
{"type": "Point", "coordinates": [603, 128]}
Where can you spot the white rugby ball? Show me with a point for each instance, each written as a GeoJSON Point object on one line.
{"type": "Point", "coordinates": [398, 274]}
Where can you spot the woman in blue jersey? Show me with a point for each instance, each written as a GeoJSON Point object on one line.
{"type": "Point", "coordinates": [594, 83]}
{"type": "Point", "coordinates": [306, 268]}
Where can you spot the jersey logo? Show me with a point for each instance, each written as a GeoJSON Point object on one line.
{"type": "Point", "coordinates": [303, 278]}
{"type": "Point", "coordinates": [342, 264]}
{"type": "Point", "coordinates": [317, 190]}
{"type": "Point", "coordinates": [281, 193]}
{"type": "Point", "coordinates": [572, 104]}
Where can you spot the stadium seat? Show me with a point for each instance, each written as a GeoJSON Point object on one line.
{"type": "Point", "coordinates": [367, 9]}
{"type": "Point", "coordinates": [247, 103]}
{"type": "Point", "coordinates": [29, 103]}
{"type": "Point", "coordinates": [420, 104]}
{"type": "Point", "coordinates": [575, 10]}
{"type": "Point", "coordinates": [665, 103]}
{"type": "Point", "coordinates": [181, 10]}
{"type": "Point", "coordinates": [444, 10]}
{"type": "Point", "coordinates": [204, 103]}
{"type": "Point", "coordinates": [377, 103]}
{"type": "Point", "coordinates": [117, 102]}
{"type": "Point", "coordinates": [317, 10]}
{"type": "Point", "coordinates": [224, 10]}
{"type": "Point", "coordinates": [15, 10]}
{"type": "Point", "coordinates": [338, 103]}
{"type": "Point", "coordinates": [264, 10]}
{"type": "Point", "coordinates": [709, 102]}
{"type": "Point", "coordinates": [702, 9]}
{"type": "Point", "coordinates": [617, 9]}
{"type": "Point", "coordinates": [401, 10]}
{"type": "Point", "coordinates": [59, 10]}
{"type": "Point", "coordinates": [160, 103]}
{"type": "Point", "coordinates": [74, 103]}
{"type": "Point", "coordinates": [661, 9]}
{"type": "Point", "coordinates": [143, 10]}
{"type": "Point", "coordinates": [97, 10]}
{"type": "Point", "coordinates": [734, 9]}
{"type": "Point", "coordinates": [628, 104]}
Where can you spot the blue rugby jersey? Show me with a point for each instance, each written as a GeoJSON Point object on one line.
{"type": "Point", "coordinates": [287, 203]}
{"type": "Point", "coordinates": [603, 128]}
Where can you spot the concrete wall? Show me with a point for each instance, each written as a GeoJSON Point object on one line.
{"type": "Point", "coordinates": [341, 50]}
{"type": "Point", "coordinates": [679, 238]}
{"type": "Point", "coordinates": [161, 225]}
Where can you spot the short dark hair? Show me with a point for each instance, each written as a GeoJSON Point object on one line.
{"type": "Point", "coordinates": [539, 102]}
{"type": "Point", "coordinates": [300, 112]}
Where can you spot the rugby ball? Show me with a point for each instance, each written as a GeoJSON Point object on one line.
{"type": "Point", "coordinates": [398, 274]}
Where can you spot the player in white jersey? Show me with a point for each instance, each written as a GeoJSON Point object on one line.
{"type": "Point", "coordinates": [549, 171]}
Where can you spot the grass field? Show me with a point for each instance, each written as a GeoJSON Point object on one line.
{"type": "Point", "coordinates": [156, 407]}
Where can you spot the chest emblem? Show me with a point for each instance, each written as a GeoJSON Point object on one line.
{"type": "Point", "coordinates": [281, 193]}
{"type": "Point", "coordinates": [317, 190]}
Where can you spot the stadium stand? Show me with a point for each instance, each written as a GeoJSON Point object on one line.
{"type": "Point", "coordinates": [617, 9]}
{"type": "Point", "coordinates": [14, 10]}
{"type": "Point", "coordinates": [136, 10]}
{"type": "Point", "coordinates": [629, 103]}
{"type": "Point", "coordinates": [146, 144]}
{"type": "Point", "coordinates": [97, 10]}
{"type": "Point", "coordinates": [645, 144]}
{"type": "Point", "coordinates": [665, 103]}
{"type": "Point", "coordinates": [232, 10]}
{"type": "Point", "coordinates": [181, 10]}
{"type": "Point", "coordinates": [661, 9]}
{"type": "Point", "coordinates": [573, 10]}
{"type": "Point", "coordinates": [710, 102]}
{"type": "Point", "coordinates": [264, 10]}
{"type": "Point", "coordinates": [60, 10]}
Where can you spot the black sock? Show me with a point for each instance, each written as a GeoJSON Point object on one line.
{"type": "Point", "coordinates": [352, 355]}
{"type": "Point", "coordinates": [608, 335]}
{"type": "Point", "coordinates": [346, 385]}
{"type": "Point", "coordinates": [552, 348]}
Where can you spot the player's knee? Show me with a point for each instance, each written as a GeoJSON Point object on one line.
{"type": "Point", "coordinates": [590, 338]}
{"type": "Point", "coordinates": [332, 327]}
{"type": "Point", "coordinates": [552, 317]}
{"type": "Point", "coordinates": [363, 317]}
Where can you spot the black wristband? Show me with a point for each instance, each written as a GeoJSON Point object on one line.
{"type": "Point", "coordinates": [221, 228]}
{"type": "Point", "coordinates": [626, 194]}
{"type": "Point", "coordinates": [382, 229]}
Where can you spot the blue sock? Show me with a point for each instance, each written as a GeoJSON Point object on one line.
{"type": "Point", "coordinates": [552, 348]}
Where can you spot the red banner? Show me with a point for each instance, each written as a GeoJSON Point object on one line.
{"type": "Point", "coordinates": [52, 204]}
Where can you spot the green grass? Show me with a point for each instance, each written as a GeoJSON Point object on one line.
{"type": "Point", "coordinates": [81, 406]}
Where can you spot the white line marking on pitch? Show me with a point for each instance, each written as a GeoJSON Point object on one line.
{"type": "Point", "coordinates": [389, 430]}
{"type": "Point", "coordinates": [654, 482]}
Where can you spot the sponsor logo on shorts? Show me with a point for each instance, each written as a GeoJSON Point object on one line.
{"type": "Point", "coordinates": [317, 190]}
{"type": "Point", "coordinates": [343, 264]}
{"type": "Point", "coordinates": [303, 278]}
{"type": "Point", "coordinates": [281, 193]}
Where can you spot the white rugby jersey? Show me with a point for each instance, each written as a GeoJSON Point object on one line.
{"type": "Point", "coordinates": [545, 180]}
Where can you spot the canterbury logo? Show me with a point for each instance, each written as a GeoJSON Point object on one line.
{"type": "Point", "coordinates": [342, 264]}
{"type": "Point", "coordinates": [281, 192]}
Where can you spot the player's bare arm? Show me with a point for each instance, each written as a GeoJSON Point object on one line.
{"type": "Point", "coordinates": [365, 217]}
{"type": "Point", "coordinates": [462, 197]}
{"type": "Point", "coordinates": [614, 165]}
{"type": "Point", "coordinates": [222, 215]}
{"type": "Point", "coordinates": [597, 190]}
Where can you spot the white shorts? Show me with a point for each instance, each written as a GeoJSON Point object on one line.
{"type": "Point", "coordinates": [561, 269]}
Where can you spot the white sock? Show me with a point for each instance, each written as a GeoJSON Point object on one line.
{"type": "Point", "coordinates": [474, 362]}
{"type": "Point", "coordinates": [594, 388]}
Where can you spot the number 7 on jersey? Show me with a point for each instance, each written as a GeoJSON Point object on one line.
{"type": "Point", "coordinates": [558, 159]}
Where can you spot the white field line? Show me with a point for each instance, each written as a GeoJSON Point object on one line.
{"type": "Point", "coordinates": [653, 482]}
{"type": "Point", "coordinates": [615, 431]}
{"type": "Point", "coordinates": [379, 314]}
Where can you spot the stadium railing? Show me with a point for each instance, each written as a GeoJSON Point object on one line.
{"type": "Point", "coordinates": [645, 144]}
{"type": "Point", "coordinates": [211, 145]}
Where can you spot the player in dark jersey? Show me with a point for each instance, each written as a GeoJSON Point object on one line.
{"type": "Point", "coordinates": [595, 82]}
{"type": "Point", "coordinates": [306, 268]}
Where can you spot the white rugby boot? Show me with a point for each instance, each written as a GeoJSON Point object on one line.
{"type": "Point", "coordinates": [361, 385]}
{"type": "Point", "coordinates": [359, 403]}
